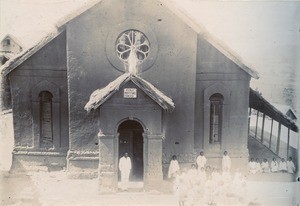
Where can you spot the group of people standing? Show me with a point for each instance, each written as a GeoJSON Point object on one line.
{"type": "Point", "coordinates": [203, 184]}
{"type": "Point", "coordinates": [274, 166]}
{"type": "Point", "coordinates": [201, 161]}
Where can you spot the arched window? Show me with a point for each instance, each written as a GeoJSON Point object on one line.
{"type": "Point", "coordinates": [46, 122]}
{"type": "Point", "coordinates": [216, 105]}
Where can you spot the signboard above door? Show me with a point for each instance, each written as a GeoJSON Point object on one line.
{"type": "Point", "coordinates": [130, 93]}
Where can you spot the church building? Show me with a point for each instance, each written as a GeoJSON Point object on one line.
{"type": "Point", "coordinates": [132, 76]}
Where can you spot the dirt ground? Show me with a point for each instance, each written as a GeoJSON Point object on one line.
{"type": "Point", "coordinates": [44, 188]}
{"type": "Point", "coordinates": [53, 188]}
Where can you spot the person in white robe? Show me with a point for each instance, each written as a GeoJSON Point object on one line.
{"type": "Point", "coordinates": [238, 186]}
{"type": "Point", "coordinates": [208, 171]}
{"type": "Point", "coordinates": [226, 162]}
{"type": "Point", "coordinates": [252, 166]}
{"type": "Point", "coordinates": [217, 184]}
{"type": "Point", "coordinates": [282, 165]}
{"type": "Point", "coordinates": [215, 175]}
{"type": "Point", "coordinates": [225, 184]}
{"type": "Point", "coordinates": [173, 168]}
{"type": "Point", "coordinates": [258, 166]}
{"type": "Point", "coordinates": [192, 175]}
{"type": "Point", "coordinates": [290, 166]}
{"type": "Point", "coordinates": [125, 168]}
{"type": "Point", "coordinates": [209, 192]}
{"type": "Point", "coordinates": [200, 189]}
{"type": "Point", "coordinates": [274, 165]}
{"type": "Point", "coordinates": [265, 166]}
{"type": "Point", "coordinates": [226, 177]}
{"type": "Point", "coordinates": [192, 181]}
{"type": "Point", "coordinates": [202, 175]}
{"type": "Point", "coordinates": [201, 160]}
{"type": "Point", "coordinates": [177, 185]}
{"type": "Point", "coordinates": [181, 187]}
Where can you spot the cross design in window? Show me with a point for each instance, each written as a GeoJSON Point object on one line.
{"type": "Point", "coordinates": [132, 48]}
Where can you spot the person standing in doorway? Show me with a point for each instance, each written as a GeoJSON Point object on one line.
{"type": "Point", "coordinates": [226, 162]}
{"type": "Point", "coordinates": [125, 168]}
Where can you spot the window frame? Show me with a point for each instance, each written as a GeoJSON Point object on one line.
{"type": "Point", "coordinates": [215, 100]}
{"type": "Point", "coordinates": [43, 101]}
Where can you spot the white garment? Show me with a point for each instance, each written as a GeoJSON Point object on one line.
{"type": "Point", "coordinates": [173, 168]}
{"type": "Point", "coordinates": [125, 167]}
{"type": "Point", "coordinates": [238, 185]}
{"type": "Point", "coordinates": [201, 161]}
{"type": "Point", "coordinates": [216, 176]}
{"type": "Point", "coordinates": [192, 176]}
{"type": "Point", "coordinates": [274, 166]}
{"type": "Point", "coordinates": [290, 167]}
{"type": "Point", "coordinates": [258, 167]}
{"type": "Point", "coordinates": [201, 176]}
{"type": "Point", "coordinates": [282, 166]}
{"type": "Point", "coordinates": [252, 167]}
{"type": "Point", "coordinates": [226, 177]}
{"type": "Point", "coordinates": [226, 163]}
{"type": "Point", "coordinates": [265, 167]}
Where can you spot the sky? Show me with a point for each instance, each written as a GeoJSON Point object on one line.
{"type": "Point", "coordinates": [266, 34]}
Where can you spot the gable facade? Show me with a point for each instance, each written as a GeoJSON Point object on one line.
{"type": "Point", "coordinates": [205, 85]}
{"type": "Point", "coordinates": [10, 45]}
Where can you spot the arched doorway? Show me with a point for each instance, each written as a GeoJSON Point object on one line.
{"type": "Point", "coordinates": [131, 141]}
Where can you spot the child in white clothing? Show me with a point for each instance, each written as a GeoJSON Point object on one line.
{"type": "Point", "coordinates": [290, 166]}
{"type": "Point", "coordinates": [282, 165]}
{"type": "Point", "coordinates": [274, 165]}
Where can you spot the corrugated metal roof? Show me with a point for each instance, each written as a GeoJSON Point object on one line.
{"type": "Point", "coordinates": [258, 102]}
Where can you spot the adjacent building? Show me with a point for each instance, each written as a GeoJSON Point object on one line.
{"type": "Point", "coordinates": [10, 46]}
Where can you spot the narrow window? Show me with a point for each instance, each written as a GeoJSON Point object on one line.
{"type": "Point", "coordinates": [46, 119]}
{"type": "Point", "coordinates": [216, 104]}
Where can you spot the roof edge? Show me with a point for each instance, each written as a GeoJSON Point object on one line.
{"type": "Point", "coordinates": [168, 101]}
{"type": "Point", "coordinates": [292, 123]}
{"type": "Point", "coordinates": [100, 96]}
{"type": "Point", "coordinates": [187, 19]}
{"type": "Point", "coordinates": [14, 62]}
{"type": "Point", "coordinates": [15, 39]}
{"type": "Point", "coordinates": [203, 32]}
{"type": "Point", "coordinates": [65, 20]}
{"type": "Point", "coordinates": [230, 54]}
{"type": "Point", "coordinates": [182, 14]}
{"type": "Point", "coordinates": [106, 92]}
{"type": "Point", "coordinates": [276, 105]}
{"type": "Point", "coordinates": [178, 11]}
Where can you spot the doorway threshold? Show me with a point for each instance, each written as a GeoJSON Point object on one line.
{"type": "Point", "coordinates": [133, 185]}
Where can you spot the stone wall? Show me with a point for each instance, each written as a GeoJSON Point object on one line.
{"type": "Point", "coordinates": [218, 74]}
{"type": "Point", "coordinates": [92, 64]}
{"type": "Point", "coordinates": [46, 70]}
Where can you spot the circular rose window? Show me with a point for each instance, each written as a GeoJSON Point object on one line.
{"type": "Point", "coordinates": [132, 48]}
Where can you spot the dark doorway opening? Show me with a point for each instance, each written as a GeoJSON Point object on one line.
{"type": "Point", "coordinates": [131, 141]}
